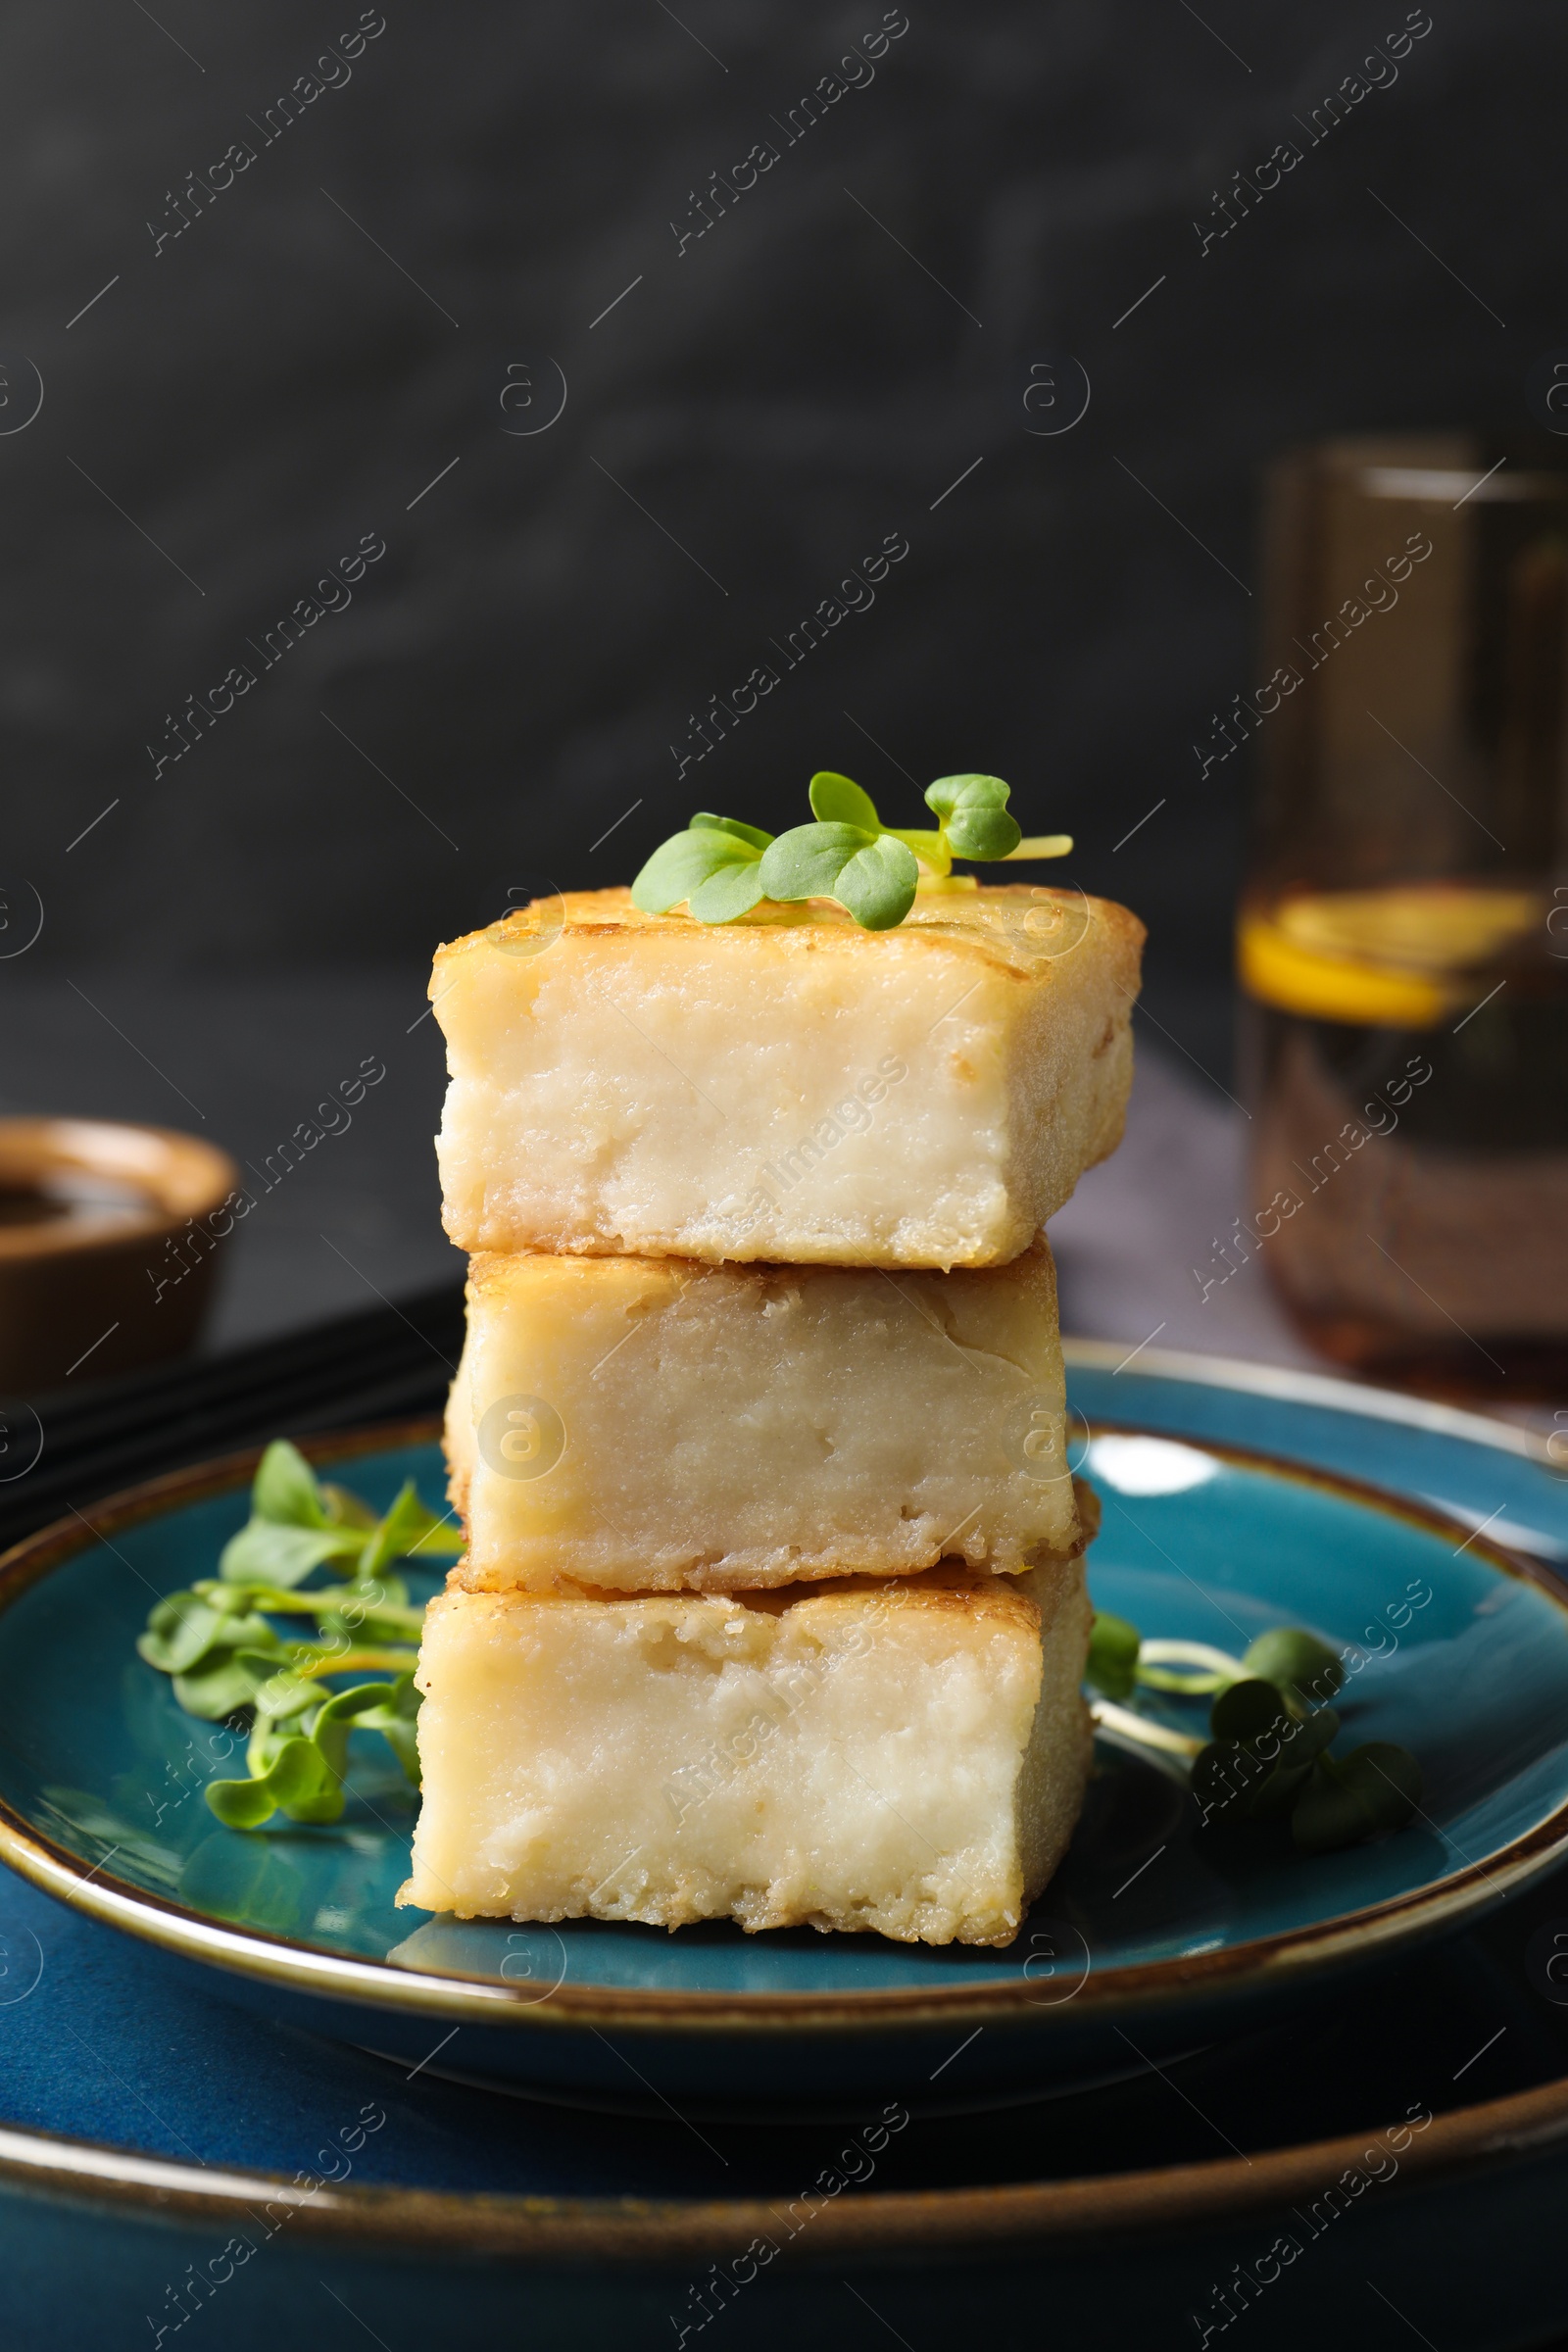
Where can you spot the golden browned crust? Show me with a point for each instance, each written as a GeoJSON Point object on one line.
{"type": "Point", "coordinates": [950, 1582]}
{"type": "Point", "coordinates": [1014, 926]}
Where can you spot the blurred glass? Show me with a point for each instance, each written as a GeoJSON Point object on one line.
{"type": "Point", "coordinates": [1404, 933]}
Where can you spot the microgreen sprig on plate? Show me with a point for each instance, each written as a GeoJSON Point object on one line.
{"type": "Point", "coordinates": [227, 1657]}
{"type": "Point", "coordinates": [720, 868]}
{"type": "Point", "coordinates": [1267, 1758]}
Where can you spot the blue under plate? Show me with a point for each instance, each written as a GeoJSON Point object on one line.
{"type": "Point", "coordinates": [1151, 1938]}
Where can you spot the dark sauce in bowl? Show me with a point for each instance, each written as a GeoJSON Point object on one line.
{"type": "Point", "coordinates": [72, 1197]}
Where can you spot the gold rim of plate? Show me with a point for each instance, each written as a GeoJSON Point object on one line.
{"type": "Point", "coordinates": [1030, 2216]}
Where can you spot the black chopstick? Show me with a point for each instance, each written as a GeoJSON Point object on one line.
{"type": "Point", "coordinates": [427, 1325]}
{"type": "Point", "coordinates": [386, 1363]}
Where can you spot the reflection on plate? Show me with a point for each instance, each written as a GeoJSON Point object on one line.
{"type": "Point", "coordinates": [1151, 1938]}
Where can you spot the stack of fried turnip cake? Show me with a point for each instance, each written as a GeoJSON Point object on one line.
{"type": "Point", "coordinates": [772, 1606]}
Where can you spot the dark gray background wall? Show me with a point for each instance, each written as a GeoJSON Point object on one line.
{"type": "Point", "coordinates": [781, 395]}
{"type": "Point", "coordinates": [321, 353]}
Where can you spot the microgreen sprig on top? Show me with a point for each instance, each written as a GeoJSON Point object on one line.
{"type": "Point", "coordinates": [719, 869]}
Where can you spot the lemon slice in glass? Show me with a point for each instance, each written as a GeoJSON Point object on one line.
{"type": "Point", "coordinates": [1397, 958]}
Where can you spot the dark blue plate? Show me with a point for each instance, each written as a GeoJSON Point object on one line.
{"type": "Point", "coordinates": [171, 2162]}
{"type": "Point", "coordinates": [1150, 1939]}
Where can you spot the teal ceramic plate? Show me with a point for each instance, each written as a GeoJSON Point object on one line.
{"type": "Point", "coordinates": [1151, 1938]}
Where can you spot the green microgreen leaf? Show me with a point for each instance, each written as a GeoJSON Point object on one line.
{"type": "Point", "coordinates": [1248, 1711]}
{"type": "Point", "coordinates": [265, 1552]}
{"type": "Point", "coordinates": [713, 849]}
{"type": "Point", "coordinates": [945, 794]}
{"type": "Point", "coordinates": [872, 874]}
{"type": "Point", "coordinates": [1298, 1662]}
{"type": "Point", "coordinates": [733, 890]}
{"type": "Point", "coordinates": [878, 884]}
{"type": "Point", "coordinates": [281, 1692]}
{"type": "Point", "coordinates": [1225, 1775]}
{"type": "Point", "coordinates": [285, 1489]}
{"type": "Point", "coordinates": [395, 1719]}
{"type": "Point", "coordinates": [338, 1718]}
{"type": "Point", "coordinates": [1261, 1755]}
{"type": "Point", "coordinates": [296, 1782]}
{"type": "Point", "coordinates": [1371, 1792]}
{"type": "Point", "coordinates": [835, 799]}
{"type": "Point", "coordinates": [408, 1530]}
{"type": "Point", "coordinates": [706, 821]}
{"type": "Point", "coordinates": [1307, 1739]}
{"type": "Point", "coordinates": [1276, 1791]}
{"type": "Point", "coordinates": [1112, 1667]}
{"type": "Point", "coordinates": [180, 1631]}
{"type": "Point", "coordinates": [344, 1510]}
{"type": "Point", "coordinates": [807, 861]}
{"type": "Point", "coordinates": [974, 816]}
{"type": "Point", "coordinates": [225, 1684]}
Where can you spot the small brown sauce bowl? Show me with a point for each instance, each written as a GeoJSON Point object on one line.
{"type": "Point", "coordinates": [107, 1239]}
